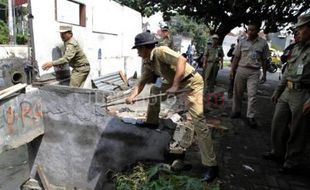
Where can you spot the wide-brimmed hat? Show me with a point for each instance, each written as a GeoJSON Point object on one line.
{"type": "Point", "coordinates": [144, 38]}
{"type": "Point", "coordinates": [303, 19]}
{"type": "Point", "coordinates": [64, 28]}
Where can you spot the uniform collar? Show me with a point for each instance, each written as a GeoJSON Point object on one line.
{"type": "Point", "coordinates": [152, 54]}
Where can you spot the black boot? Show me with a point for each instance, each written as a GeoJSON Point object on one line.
{"type": "Point", "coordinates": [210, 174]}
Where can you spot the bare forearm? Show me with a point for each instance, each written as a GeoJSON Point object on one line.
{"type": "Point", "coordinates": [235, 63]}
{"type": "Point", "coordinates": [136, 91]}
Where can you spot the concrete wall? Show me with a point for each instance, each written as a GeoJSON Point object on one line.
{"type": "Point", "coordinates": [21, 120]}
{"type": "Point", "coordinates": [8, 51]}
{"type": "Point", "coordinates": [109, 27]}
{"type": "Point", "coordinates": [79, 148]}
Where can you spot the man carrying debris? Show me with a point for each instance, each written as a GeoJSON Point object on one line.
{"type": "Point", "coordinates": [166, 63]}
{"type": "Point", "coordinates": [73, 55]}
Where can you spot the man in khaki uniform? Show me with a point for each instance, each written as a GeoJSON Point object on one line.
{"type": "Point", "coordinates": [166, 39]}
{"type": "Point", "coordinates": [251, 54]}
{"type": "Point", "coordinates": [291, 118]}
{"type": "Point", "coordinates": [166, 63]}
{"type": "Point", "coordinates": [213, 61]}
{"type": "Point", "coordinates": [73, 55]}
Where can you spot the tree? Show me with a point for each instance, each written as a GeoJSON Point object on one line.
{"type": "Point", "coordinates": [4, 33]}
{"type": "Point", "coordinates": [187, 27]}
{"type": "Point", "coordinates": [222, 16]}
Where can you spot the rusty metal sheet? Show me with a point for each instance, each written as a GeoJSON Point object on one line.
{"type": "Point", "coordinates": [21, 120]}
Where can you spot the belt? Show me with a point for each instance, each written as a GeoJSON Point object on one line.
{"type": "Point", "coordinates": [297, 85]}
{"type": "Point", "coordinates": [188, 76]}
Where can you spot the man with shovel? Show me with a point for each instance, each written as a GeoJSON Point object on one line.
{"type": "Point", "coordinates": [168, 64]}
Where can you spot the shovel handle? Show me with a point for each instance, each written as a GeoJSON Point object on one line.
{"type": "Point", "coordinates": [146, 98]}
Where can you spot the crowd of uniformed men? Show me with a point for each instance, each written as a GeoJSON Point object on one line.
{"type": "Point", "coordinates": [292, 96]}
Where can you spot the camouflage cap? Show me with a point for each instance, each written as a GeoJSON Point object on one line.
{"type": "Point", "coordinates": [303, 19]}
{"type": "Point", "coordinates": [64, 28]}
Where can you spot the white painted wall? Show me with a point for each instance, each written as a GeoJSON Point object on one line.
{"type": "Point", "coordinates": [109, 26]}
{"type": "Point", "coordinates": [8, 51]}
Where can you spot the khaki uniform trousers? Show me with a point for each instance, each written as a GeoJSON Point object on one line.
{"type": "Point", "coordinates": [210, 76]}
{"type": "Point", "coordinates": [289, 126]}
{"type": "Point", "coordinates": [245, 78]}
{"type": "Point", "coordinates": [195, 107]}
{"type": "Point", "coordinates": [78, 76]}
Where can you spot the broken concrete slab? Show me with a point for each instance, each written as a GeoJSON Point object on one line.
{"type": "Point", "coordinates": [21, 120]}
{"type": "Point", "coordinates": [82, 142]}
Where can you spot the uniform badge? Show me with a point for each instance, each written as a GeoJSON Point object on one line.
{"type": "Point", "coordinates": [300, 69]}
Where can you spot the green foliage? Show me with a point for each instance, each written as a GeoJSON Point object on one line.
{"type": "Point", "coordinates": [4, 33]}
{"type": "Point", "coordinates": [132, 180]}
{"type": "Point", "coordinates": [190, 28]}
{"type": "Point", "coordinates": [158, 177]}
{"type": "Point", "coordinates": [222, 16]}
{"type": "Point", "coordinates": [21, 39]}
{"type": "Point", "coordinates": [145, 7]}
{"type": "Point", "coordinates": [3, 2]}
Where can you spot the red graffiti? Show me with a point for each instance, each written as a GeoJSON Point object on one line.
{"type": "Point", "coordinates": [10, 119]}
{"type": "Point", "coordinates": [27, 114]}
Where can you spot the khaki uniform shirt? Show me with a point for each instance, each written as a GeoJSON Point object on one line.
{"type": "Point", "coordinates": [73, 55]}
{"type": "Point", "coordinates": [252, 53]}
{"type": "Point", "coordinates": [162, 63]}
{"type": "Point", "coordinates": [166, 42]}
{"type": "Point", "coordinates": [298, 67]}
{"type": "Point", "coordinates": [214, 54]}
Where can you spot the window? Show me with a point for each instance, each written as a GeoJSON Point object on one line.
{"type": "Point", "coordinates": [71, 12]}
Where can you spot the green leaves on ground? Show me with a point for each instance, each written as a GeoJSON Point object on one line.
{"type": "Point", "coordinates": [158, 177]}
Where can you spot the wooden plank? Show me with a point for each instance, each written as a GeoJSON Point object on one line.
{"type": "Point", "coordinates": [123, 76]}
{"type": "Point", "coordinates": [43, 178]}
{"type": "Point", "coordinates": [9, 88]}
{"type": "Point", "coordinates": [6, 92]}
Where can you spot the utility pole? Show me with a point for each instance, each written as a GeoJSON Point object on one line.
{"type": "Point", "coordinates": [11, 19]}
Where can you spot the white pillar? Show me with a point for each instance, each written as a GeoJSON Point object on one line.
{"type": "Point", "coordinates": [11, 17]}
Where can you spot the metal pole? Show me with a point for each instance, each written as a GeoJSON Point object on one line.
{"type": "Point", "coordinates": [32, 57]}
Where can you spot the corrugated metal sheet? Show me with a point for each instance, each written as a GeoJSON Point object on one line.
{"type": "Point", "coordinates": [110, 82]}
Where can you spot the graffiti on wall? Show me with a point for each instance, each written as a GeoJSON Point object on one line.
{"type": "Point", "coordinates": [20, 120]}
